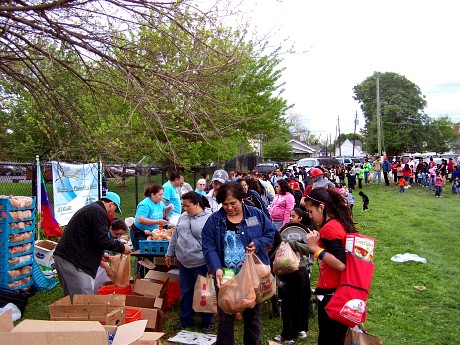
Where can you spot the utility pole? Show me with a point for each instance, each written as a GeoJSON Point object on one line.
{"type": "Point", "coordinates": [354, 132]}
{"type": "Point", "coordinates": [379, 125]}
{"type": "Point", "coordinates": [338, 138]}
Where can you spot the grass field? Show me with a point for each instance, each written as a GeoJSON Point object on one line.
{"type": "Point", "coordinates": [411, 222]}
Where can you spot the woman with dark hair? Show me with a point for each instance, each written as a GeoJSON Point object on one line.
{"type": "Point", "coordinates": [252, 197]}
{"type": "Point", "coordinates": [228, 234]}
{"type": "Point", "coordinates": [283, 203]}
{"type": "Point", "coordinates": [328, 210]}
{"type": "Point", "coordinates": [150, 213]}
{"type": "Point", "coordinates": [185, 244]}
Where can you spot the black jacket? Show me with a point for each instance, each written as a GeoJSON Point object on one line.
{"type": "Point", "coordinates": [85, 238]}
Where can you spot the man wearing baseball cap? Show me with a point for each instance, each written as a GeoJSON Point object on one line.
{"type": "Point", "coordinates": [218, 179]}
{"type": "Point", "coordinates": [80, 250]}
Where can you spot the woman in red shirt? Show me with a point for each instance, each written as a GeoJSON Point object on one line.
{"type": "Point", "coordinates": [329, 210]}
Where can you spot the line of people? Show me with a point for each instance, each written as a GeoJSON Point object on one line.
{"type": "Point", "coordinates": [214, 232]}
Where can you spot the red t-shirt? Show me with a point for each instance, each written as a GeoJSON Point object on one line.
{"type": "Point", "coordinates": [329, 278]}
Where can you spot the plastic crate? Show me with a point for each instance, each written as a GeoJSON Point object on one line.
{"type": "Point", "coordinates": [5, 205]}
{"type": "Point", "coordinates": [6, 241]}
{"type": "Point", "coordinates": [6, 265]}
{"type": "Point", "coordinates": [6, 278]}
{"type": "Point", "coordinates": [5, 228]}
{"type": "Point", "coordinates": [19, 287]}
{"type": "Point", "coordinates": [5, 217]}
{"type": "Point", "coordinates": [5, 253]}
{"type": "Point", "coordinates": [112, 289]}
{"type": "Point", "coordinates": [153, 247]}
{"type": "Point", "coordinates": [132, 314]}
{"type": "Point", "coordinates": [172, 293]}
{"type": "Point", "coordinates": [17, 297]}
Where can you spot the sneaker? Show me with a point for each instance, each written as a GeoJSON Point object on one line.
{"type": "Point", "coordinates": [302, 335]}
{"type": "Point", "coordinates": [207, 329]}
{"type": "Point", "coordinates": [280, 339]}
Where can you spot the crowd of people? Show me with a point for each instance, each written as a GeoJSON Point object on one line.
{"type": "Point", "coordinates": [219, 223]}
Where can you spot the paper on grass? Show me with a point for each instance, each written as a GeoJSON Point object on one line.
{"type": "Point", "coordinates": [193, 338]}
{"type": "Point", "coordinates": [408, 257]}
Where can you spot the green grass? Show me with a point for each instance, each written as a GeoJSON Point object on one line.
{"type": "Point", "coordinates": [413, 222]}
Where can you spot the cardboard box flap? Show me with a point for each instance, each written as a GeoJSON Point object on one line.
{"type": "Point", "coordinates": [107, 300]}
{"type": "Point", "coordinates": [40, 326]}
{"type": "Point", "coordinates": [152, 336]}
{"type": "Point", "coordinates": [147, 263]}
{"type": "Point", "coordinates": [129, 333]}
{"type": "Point", "coordinates": [6, 321]}
{"type": "Point", "coordinates": [147, 288]}
{"type": "Point", "coordinates": [40, 332]}
{"type": "Point", "coordinates": [157, 275]}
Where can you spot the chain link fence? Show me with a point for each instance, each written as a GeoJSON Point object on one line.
{"type": "Point", "coordinates": [129, 181]}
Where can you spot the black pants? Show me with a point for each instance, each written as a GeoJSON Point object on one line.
{"type": "Point", "coordinates": [295, 306]}
{"type": "Point", "coordinates": [330, 332]}
{"type": "Point", "coordinates": [385, 176]}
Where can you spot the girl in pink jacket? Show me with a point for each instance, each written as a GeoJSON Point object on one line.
{"type": "Point", "coordinates": [282, 204]}
{"type": "Point", "coordinates": [438, 183]}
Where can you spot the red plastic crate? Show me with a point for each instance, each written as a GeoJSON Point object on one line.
{"type": "Point", "coordinates": [112, 289]}
{"type": "Point", "coordinates": [173, 293]}
{"type": "Point", "coordinates": [132, 314]}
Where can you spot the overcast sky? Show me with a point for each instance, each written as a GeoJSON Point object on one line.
{"type": "Point", "coordinates": [346, 41]}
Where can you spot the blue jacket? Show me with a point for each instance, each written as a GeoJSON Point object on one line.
{"type": "Point", "coordinates": [255, 227]}
{"type": "Point", "coordinates": [386, 166]}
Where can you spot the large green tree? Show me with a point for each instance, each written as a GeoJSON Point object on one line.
{"type": "Point", "coordinates": [171, 85]}
{"type": "Point", "coordinates": [402, 115]}
{"type": "Point", "coordinates": [439, 135]}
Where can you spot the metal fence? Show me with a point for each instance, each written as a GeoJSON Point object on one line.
{"type": "Point", "coordinates": [129, 181]}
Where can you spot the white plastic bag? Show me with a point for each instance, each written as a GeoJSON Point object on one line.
{"type": "Point", "coordinates": [16, 313]}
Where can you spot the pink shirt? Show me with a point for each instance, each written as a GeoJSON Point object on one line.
{"type": "Point", "coordinates": [281, 208]}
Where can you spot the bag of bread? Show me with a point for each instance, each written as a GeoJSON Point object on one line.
{"type": "Point", "coordinates": [266, 284]}
{"type": "Point", "coordinates": [286, 260]}
{"type": "Point", "coordinates": [238, 293]}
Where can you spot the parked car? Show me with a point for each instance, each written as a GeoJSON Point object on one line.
{"type": "Point", "coordinates": [12, 170]}
{"type": "Point", "coordinates": [348, 160]}
{"type": "Point", "coordinates": [265, 168]}
{"type": "Point", "coordinates": [6, 170]}
{"type": "Point", "coordinates": [309, 163]}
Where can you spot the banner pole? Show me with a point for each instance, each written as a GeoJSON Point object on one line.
{"type": "Point", "coordinates": [39, 194]}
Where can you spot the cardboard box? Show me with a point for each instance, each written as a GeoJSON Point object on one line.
{"type": "Point", "coordinates": [43, 253]}
{"type": "Point", "coordinates": [151, 308]}
{"type": "Point", "coordinates": [133, 334]}
{"type": "Point", "coordinates": [40, 332]}
{"type": "Point", "coordinates": [107, 309]}
{"type": "Point", "coordinates": [360, 245]}
{"type": "Point", "coordinates": [162, 276]}
{"type": "Point", "coordinates": [148, 287]}
{"type": "Point", "coordinates": [173, 289]}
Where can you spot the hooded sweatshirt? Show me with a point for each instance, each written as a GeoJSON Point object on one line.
{"type": "Point", "coordinates": [185, 241]}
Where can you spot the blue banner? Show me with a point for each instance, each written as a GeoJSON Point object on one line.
{"type": "Point", "coordinates": [74, 186]}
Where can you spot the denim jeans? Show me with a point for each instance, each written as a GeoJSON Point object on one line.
{"type": "Point", "coordinates": [376, 176]}
{"type": "Point", "coordinates": [187, 279]}
{"type": "Point", "coordinates": [438, 190]}
{"type": "Point", "coordinates": [366, 177]}
{"type": "Point", "coordinates": [135, 238]}
{"type": "Point", "coordinates": [252, 326]}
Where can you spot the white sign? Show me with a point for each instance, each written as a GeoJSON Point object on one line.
{"type": "Point", "coordinates": [74, 186]}
{"type": "Point", "coordinates": [193, 338]}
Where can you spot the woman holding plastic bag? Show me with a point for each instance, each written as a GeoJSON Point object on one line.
{"type": "Point", "coordinates": [185, 244]}
{"type": "Point", "coordinates": [328, 210]}
{"type": "Point", "coordinates": [227, 235]}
